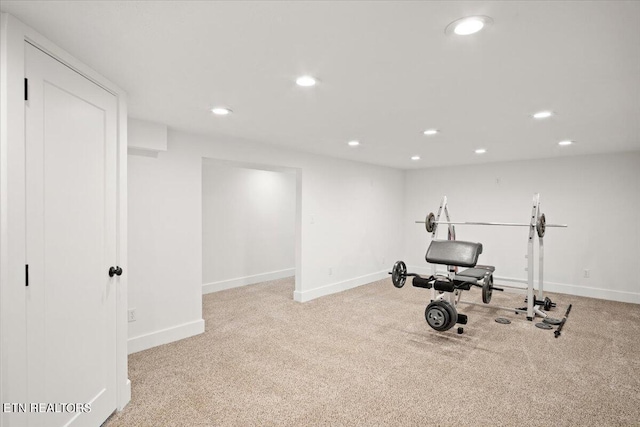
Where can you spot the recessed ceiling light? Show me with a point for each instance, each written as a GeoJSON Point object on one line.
{"type": "Point", "coordinates": [542, 114]}
{"type": "Point", "coordinates": [567, 142]}
{"type": "Point", "coordinates": [481, 151]}
{"type": "Point", "coordinates": [353, 143]}
{"type": "Point", "coordinates": [415, 157]}
{"type": "Point", "coordinates": [468, 25]}
{"type": "Point", "coordinates": [306, 81]}
{"type": "Point", "coordinates": [430, 131]}
{"type": "Point", "coordinates": [221, 111]}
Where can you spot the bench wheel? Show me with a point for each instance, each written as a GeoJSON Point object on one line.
{"type": "Point", "coordinates": [399, 274]}
{"type": "Point", "coordinates": [441, 315]}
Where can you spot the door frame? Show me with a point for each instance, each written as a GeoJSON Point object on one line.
{"type": "Point", "coordinates": [13, 368]}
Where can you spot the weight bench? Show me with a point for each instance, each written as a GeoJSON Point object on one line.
{"type": "Point", "coordinates": [441, 313]}
{"type": "Point", "coordinates": [455, 254]}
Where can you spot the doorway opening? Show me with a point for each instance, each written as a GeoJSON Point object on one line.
{"type": "Point", "coordinates": [251, 217]}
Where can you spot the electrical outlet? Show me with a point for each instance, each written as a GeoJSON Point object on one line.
{"type": "Point", "coordinates": [587, 273]}
{"type": "Point", "coordinates": [132, 317]}
{"type": "Point", "coordinates": [330, 271]}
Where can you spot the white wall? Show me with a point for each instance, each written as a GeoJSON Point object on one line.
{"type": "Point", "coordinates": [146, 135]}
{"type": "Point", "coordinates": [597, 196]}
{"type": "Point", "coordinates": [164, 265]}
{"type": "Point", "coordinates": [248, 225]}
{"type": "Point", "coordinates": [348, 221]}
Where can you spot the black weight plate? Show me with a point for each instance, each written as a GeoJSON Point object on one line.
{"type": "Point", "coordinates": [452, 312]}
{"type": "Point", "coordinates": [503, 320]}
{"type": "Point", "coordinates": [552, 321]}
{"type": "Point", "coordinates": [437, 316]}
{"type": "Point", "coordinates": [487, 289]}
{"type": "Point", "coordinates": [543, 326]}
{"type": "Point", "coordinates": [541, 226]}
{"type": "Point", "coordinates": [430, 222]}
{"type": "Point", "coordinates": [399, 274]}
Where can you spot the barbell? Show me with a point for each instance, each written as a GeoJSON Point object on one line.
{"type": "Point", "coordinates": [541, 224]}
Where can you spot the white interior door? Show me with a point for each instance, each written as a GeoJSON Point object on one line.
{"type": "Point", "coordinates": [71, 136]}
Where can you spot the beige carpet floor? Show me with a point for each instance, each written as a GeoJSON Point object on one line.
{"type": "Point", "coordinates": [366, 357]}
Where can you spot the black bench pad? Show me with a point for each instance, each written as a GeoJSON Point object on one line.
{"type": "Point", "coordinates": [476, 273]}
{"type": "Point", "coordinates": [453, 252]}
{"type": "Point", "coordinates": [422, 282]}
{"type": "Point", "coordinates": [464, 284]}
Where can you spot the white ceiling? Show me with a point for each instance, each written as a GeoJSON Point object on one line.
{"type": "Point", "coordinates": [387, 72]}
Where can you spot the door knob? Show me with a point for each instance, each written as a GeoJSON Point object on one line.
{"type": "Point", "coordinates": [115, 270]}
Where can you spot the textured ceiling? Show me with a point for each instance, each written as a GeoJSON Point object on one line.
{"type": "Point", "coordinates": [387, 72]}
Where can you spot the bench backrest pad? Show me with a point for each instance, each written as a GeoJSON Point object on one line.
{"type": "Point", "coordinates": [454, 252]}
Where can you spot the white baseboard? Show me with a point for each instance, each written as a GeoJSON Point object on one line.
{"type": "Point", "coordinates": [583, 291]}
{"type": "Point", "coordinates": [333, 288]}
{"type": "Point", "coordinates": [563, 288]}
{"type": "Point", "coordinates": [208, 288]}
{"type": "Point", "coordinates": [165, 336]}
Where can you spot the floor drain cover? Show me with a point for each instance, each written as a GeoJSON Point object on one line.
{"type": "Point", "coordinates": [543, 326]}
{"type": "Point", "coordinates": [503, 321]}
{"type": "Point", "coordinates": [552, 321]}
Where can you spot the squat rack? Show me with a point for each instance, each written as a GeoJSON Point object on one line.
{"type": "Point", "coordinates": [537, 226]}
